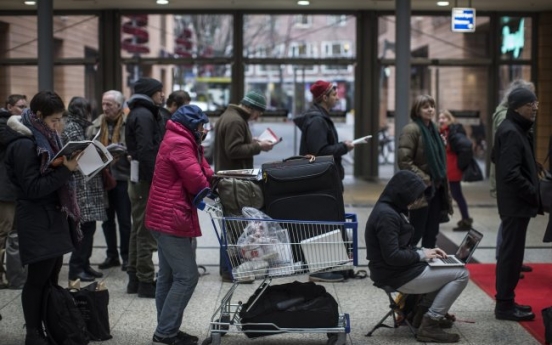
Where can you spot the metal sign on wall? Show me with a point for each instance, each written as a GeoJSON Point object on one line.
{"type": "Point", "coordinates": [463, 19]}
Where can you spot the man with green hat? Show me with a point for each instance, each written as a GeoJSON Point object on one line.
{"type": "Point", "coordinates": [234, 144]}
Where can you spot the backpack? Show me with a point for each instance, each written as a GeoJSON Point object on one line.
{"type": "Point", "coordinates": [62, 319]}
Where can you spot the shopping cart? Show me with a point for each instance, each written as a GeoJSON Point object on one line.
{"type": "Point", "coordinates": [293, 248]}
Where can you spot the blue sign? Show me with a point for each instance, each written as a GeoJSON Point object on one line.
{"type": "Point", "coordinates": [463, 19]}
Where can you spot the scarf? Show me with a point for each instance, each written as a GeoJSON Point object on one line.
{"type": "Point", "coordinates": [434, 150]}
{"type": "Point", "coordinates": [48, 143]}
{"type": "Point", "coordinates": [104, 129]}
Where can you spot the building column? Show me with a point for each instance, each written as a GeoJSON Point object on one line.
{"type": "Point", "coordinates": [45, 36]}
{"type": "Point", "coordinates": [402, 75]}
{"type": "Point", "coordinates": [543, 125]}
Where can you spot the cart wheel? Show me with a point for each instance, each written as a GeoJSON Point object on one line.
{"type": "Point", "coordinates": [223, 319]}
{"type": "Point", "coordinates": [330, 335]}
{"type": "Point", "coordinates": [332, 340]}
{"type": "Point", "coordinates": [207, 341]}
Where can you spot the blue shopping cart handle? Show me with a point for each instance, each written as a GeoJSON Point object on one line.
{"type": "Point", "coordinates": [198, 200]}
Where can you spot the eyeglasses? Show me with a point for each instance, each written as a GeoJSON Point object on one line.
{"type": "Point", "coordinates": [534, 104]}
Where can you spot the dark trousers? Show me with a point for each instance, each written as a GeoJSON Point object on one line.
{"type": "Point", "coordinates": [40, 274]}
{"type": "Point", "coordinates": [458, 196]}
{"type": "Point", "coordinates": [119, 206]}
{"type": "Point", "coordinates": [425, 221]}
{"type": "Point", "coordinates": [80, 257]}
{"type": "Point", "coordinates": [509, 262]}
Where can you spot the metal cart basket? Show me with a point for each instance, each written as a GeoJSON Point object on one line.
{"type": "Point", "coordinates": [264, 249]}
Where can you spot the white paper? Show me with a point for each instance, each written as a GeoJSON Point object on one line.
{"type": "Point", "coordinates": [363, 140]}
{"type": "Point", "coordinates": [134, 167]}
{"type": "Point", "coordinates": [269, 135]}
{"type": "Point", "coordinates": [93, 159]}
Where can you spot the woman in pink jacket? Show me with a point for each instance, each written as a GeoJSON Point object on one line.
{"type": "Point", "coordinates": [180, 173]}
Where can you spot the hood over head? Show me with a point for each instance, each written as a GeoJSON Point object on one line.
{"type": "Point", "coordinates": [403, 189]}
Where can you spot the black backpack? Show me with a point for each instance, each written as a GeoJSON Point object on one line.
{"type": "Point", "coordinates": [62, 319]}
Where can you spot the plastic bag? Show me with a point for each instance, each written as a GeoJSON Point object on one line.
{"type": "Point", "coordinates": [263, 239]}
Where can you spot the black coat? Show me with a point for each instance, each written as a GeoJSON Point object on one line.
{"type": "Point", "coordinates": [461, 145]}
{"type": "Point", "coordinates": [517, 182]}
{"type": "Point", "coordinates": [42, 227]}
{"type": "Point", "coordinates": [7, 189]}
{"type": "Point", "coordinates": [144, 130]}
{"type": "Point", "coordinates": [319, 136]}
{"type": "Point", "coordinates": [392, 261]}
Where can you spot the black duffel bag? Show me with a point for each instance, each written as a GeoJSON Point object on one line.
{"type": "Point", "coordinates": [293, 305]}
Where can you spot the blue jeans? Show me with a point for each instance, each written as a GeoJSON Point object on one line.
{"type": "Point", "coordinates": [176, 281]}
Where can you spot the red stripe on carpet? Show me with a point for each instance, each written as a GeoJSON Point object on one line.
{"type": "Point", "coordinates": [535, 290]}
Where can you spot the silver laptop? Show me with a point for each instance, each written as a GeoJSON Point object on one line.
{"type": "Point", "coordinates": [326, 251]}
{"type": "Point", "coordinates": [464, 252]}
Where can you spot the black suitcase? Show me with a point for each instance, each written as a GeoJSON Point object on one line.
{"type": "Point", "coordinates": [292, 305]}
{"type": "Point", "coordinates": [303, 188]}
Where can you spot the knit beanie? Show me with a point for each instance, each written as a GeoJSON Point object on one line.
{"type": "Point", "coordinates": [319, 89]}
{"type": "Point", "coordinates": [519, 97]}
{"type": "Point", "coordinates": [254, 99]}
{"type": "Point", "coordinates": [147, 86]}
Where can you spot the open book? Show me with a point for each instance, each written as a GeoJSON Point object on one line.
{"type": "Point", "coordinates": [93, 158]}
{"type": "Point", "coordinates": [269, 135]}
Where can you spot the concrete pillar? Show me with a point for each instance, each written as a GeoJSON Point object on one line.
{"type": "Point", "coordinates": [402, 75]}
{"type": "Point", "coordinates": [45, 29]}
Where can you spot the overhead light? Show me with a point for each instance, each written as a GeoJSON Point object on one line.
{"type": "Point", "coordinates": [303, 2]}
{"type": "Point", "coordinates": [30, 3]}
{"type": "Point", "coordinates": [442, 3]}
{"type": "Point", "coordinates": [162, 2]}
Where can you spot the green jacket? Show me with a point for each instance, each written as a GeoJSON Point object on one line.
{"type": "Point", "coordinates": [234, 144]}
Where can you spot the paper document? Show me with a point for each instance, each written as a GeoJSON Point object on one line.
{"type": "Point", "coordinates": [363, 140]}
{"type": "Point", "coordinates": [253, 174]}
{"type": "Point", "coordinates": [134, 168]}
{"type": "Point", "coordinates": [269, 135]}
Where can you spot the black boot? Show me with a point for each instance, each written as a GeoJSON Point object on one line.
{"type": "Point", "coordinates": [146, 289]}
{"type": "Point", "coordinates": [430, 332]}
{"type": "Point", "coordinates": [132, 286]}
{"type": "Point", "coordinates": [35, 337]}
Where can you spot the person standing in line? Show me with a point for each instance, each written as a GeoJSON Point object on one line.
{"type": "Point", "coordinates": [16, 104]}
{"type": "Point", "coordinates": [421, 150]}
{"type": "Point", "coordinates": [144, 130]}
{"type": "Point", "coordinates": [47, 213]}
{"type": "Point", "coordinates": [90, 193]}
{"type": "Point", "coordinates": [181, 172]}
{"type": "Point", "coordinates": [235, 146]}
{"type": "Point", "coordinates": [319, 138]}
{"type": "Point", "coordinates": [111, 125]}
{"type": "Point", "coordinates": [517, 187]}
{"type": "Point", "coordinates": [453, 135]}
{"type": "Point", "coordinates": [14, 272]}
{"type": "Point", "coordinates": [177, 99]}
{"type": "Point", "coordinates": [499, 116]}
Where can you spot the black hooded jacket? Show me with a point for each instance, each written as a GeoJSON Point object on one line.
{"type": "Point", "coordinates": [319, 136]}
{"type": "Point", "coordinates": [144, 130]}
{"type": "Point", "coordinates": [8, 192]}
{"type": "Point", "coordinates": [392, 261]}
{"type": "Point", "coordinates": [517, 182]}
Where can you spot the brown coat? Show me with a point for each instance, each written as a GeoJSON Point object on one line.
{"type": "Point", "coordinates": [411, 156]}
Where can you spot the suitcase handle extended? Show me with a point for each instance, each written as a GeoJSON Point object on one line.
{"type": "Point", "coordinates": [311, 158]}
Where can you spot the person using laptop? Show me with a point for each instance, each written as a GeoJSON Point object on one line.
{"type": "Point", "coordinates": [394, 262]}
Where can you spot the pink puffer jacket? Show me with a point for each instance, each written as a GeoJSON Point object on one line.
{"type": "Point", "coordinates": [180, 173]}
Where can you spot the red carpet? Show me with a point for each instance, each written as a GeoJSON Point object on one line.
{"type": "Point", "coordinates": [535, 290]}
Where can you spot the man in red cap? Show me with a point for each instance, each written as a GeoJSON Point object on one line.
{"type": "Point", "coordinates": [319, 138]}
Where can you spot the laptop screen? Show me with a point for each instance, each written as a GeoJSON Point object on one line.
{"type": "Point", "coordinates": [468, 245]}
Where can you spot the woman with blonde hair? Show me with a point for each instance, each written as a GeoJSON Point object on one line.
{"type": "Point", "coordinates": [421, 151]}
{"type": "Point", "coordinates": [458, 146]}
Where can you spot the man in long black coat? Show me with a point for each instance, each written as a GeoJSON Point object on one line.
{"type": "Point", "coordinates": [518, 198]}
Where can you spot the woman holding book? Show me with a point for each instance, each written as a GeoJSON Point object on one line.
{"type": "Point", "coordinates": [90, 193]}
{"type": "Point", "coordinates": [47, 211]}
{"type": "Point", "coordinates": [181, 172]}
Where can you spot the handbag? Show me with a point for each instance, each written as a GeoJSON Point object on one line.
{"type": "Point", "coordinates": [473, 172]}
{"type": "Point", "coordinates": [93, 302]}
{"type": "Point", "coordinates": [236, 193]}
{"type": "Point", "coordinates": [108, 180]}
